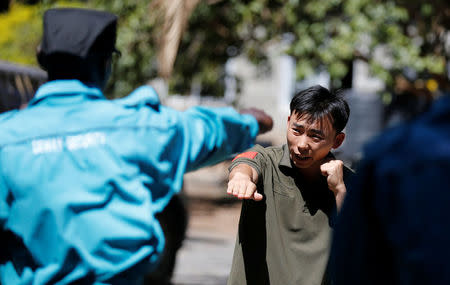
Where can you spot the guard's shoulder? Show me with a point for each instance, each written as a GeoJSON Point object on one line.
{"type": "Point", "coordinates": [144, 95]}
{"type": "Point", "coordinates": [4, 117]}
{"type": "Point", "coordinates": [7, 117]}
{"type": "Point", "coordinates": [388, 141]}
{"type": "Point", "coordinates": [7, 124]}
{"type": "Point", "coordinates": [397, 149]}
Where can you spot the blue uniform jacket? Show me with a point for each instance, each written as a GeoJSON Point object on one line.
{"type": "Point", "coordinates": [82, 177]}
{"type": "Point", "coordinates": [394, 226]}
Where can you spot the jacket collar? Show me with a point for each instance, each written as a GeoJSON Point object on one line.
{"type": "Point", "coordinates": [285, 158]}
{"type": "Point", "coordinates": [63, 88]}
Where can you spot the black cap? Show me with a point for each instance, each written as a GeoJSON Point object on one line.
{"type": "Point", "coordinates": [77, 32]}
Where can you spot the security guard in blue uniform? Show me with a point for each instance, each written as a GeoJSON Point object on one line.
{"type": "Point", "coordinates": [82, 177]}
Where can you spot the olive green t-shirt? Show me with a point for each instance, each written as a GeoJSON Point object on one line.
{"type": "Point", "coordinates": [285, 238]}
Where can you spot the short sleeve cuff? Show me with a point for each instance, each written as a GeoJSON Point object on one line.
{"type": "Point", "coordinates": [247, 161]}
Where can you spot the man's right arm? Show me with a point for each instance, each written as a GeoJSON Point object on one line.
{"type": "Point", "coordinates": [242, 182]}
{"type": "Point", "coordinates": [213, 134]}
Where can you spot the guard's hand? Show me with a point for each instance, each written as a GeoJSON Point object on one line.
{"type": "Point", "coordinates": [334, 171]}
{"type": "Point", "coordinates": [242, 187]}
{"type": "Point", "coordinates": [265, 121]}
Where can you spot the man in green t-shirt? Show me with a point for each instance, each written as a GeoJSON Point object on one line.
{"type": "Point", "coordinates": [292, 192]}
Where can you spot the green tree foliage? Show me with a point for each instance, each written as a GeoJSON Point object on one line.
{"type": "Point", "coordinates": [319, 34]}
{"type": "Point", "coordinates": [20, 28]}
{"type": "Point", "coordinates": [137, 43]}
{"type": "Point", "coordinates": [21, 31]}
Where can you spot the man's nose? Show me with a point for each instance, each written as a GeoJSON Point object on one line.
{"type": "Point", "coordinates": [302, 143]}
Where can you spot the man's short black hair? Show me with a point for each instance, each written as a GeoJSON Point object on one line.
{"type": "Point", "coordinates": [317, 103]}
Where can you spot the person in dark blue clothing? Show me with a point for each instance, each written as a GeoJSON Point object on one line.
{"type": "Point", "coordinates": [83, 178]}
{"type": "Point", "coordinates": [394, 226]}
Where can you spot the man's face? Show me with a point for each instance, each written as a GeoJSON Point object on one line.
{"type": "Point", "coordinates": [310, 142]}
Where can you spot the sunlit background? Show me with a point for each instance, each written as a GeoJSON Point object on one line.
{"type": "Point", "coordinates": [390, 57]}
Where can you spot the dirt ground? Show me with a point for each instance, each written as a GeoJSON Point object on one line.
{"type": "Point", "coordinates": [205, 257]}
{"type": "Point", "coordinates": [214, 217]}
{"type": "Point", "coordinates": [206, 254]}
{"type": "Point", "coordinates": [210, 209]}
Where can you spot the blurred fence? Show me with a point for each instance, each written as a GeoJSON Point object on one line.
{"type": "Point", "coordinates": [18, 84]}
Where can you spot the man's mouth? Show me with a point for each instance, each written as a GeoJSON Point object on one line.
{"type": "Point", "coordinates": [302, 157]}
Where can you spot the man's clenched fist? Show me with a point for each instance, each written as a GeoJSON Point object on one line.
{"type": "Point", "coordinates": [242, 187]}
{"type": "Point", "coordinates": [334, 171]}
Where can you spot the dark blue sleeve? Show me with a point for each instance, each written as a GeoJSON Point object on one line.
{"type": "Point", "coordinates": [356, 232]}
{"type": "Point", "coordinates": [394, 226]}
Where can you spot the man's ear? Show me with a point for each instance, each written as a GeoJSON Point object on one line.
{"type": "Point", "coordinates": [338, 140]}
{"type": "Point", "coordinates": [41, 57]}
